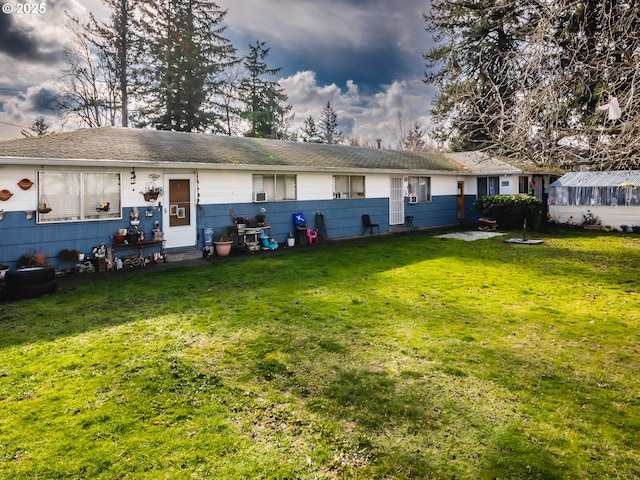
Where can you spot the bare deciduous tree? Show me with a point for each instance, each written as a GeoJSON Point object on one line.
{"type": "Point", "coordinates": [89, 91]}
{"type": "Point", "coordinates": [566, 93]}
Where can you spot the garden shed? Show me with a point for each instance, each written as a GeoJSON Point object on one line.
{"type": "Point", "coordinates": [613, 197]}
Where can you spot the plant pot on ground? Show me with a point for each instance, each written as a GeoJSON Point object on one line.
{"type": "Point", "coordinates": [31, 259]}
{"type": "Point", "coordinates": [225, 241]}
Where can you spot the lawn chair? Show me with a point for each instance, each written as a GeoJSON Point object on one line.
{"type": "Point", "coordinates": [366, 223]}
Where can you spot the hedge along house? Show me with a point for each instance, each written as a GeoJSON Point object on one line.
{"type": "Point", "coordinates": [613, 197]}
{"type": "Point", "coordinates": [86, 183]}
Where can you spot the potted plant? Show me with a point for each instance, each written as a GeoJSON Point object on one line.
{"type": "Point", "coordinates": [260, 218]}
{"type": "Point", "coordinates": [225, 241]}
{"type": "Point", "coordinates": [31, 259]}
{"type": "Point", "coordinates": [590, 221]}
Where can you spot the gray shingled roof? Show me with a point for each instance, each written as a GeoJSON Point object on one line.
{"type": "Point", "coordinates": [480, 162]}
{"type": "Point", "coordinates": [137, 145]}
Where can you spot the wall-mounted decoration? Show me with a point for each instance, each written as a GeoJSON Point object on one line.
{"type": "Point", "coordinates": [5, 194]}
{"type": "Point", "coordinates": [151, 192]}
{"type": "Point", "coordinates": [25, 184]}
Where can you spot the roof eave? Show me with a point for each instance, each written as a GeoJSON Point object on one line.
{"type": "Point", "coordinates": [75, 162]}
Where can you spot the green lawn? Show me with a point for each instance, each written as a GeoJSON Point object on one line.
{"type": "Point", "coordinates": [392, 357]}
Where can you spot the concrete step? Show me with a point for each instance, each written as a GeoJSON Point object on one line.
{"type": "Point", "coordinates": [182, 255]}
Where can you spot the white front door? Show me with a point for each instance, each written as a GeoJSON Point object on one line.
{"type": "Point", "coordinates": [396, 202]}
{"type": "Point", "coordinates": [179, 212]}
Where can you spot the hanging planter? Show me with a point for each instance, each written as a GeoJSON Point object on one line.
{"type": "Point", "coordinates": [25, 184]}
{"type": "Point", "coordinates": [151, 192]}
{"type": "Point", "coordinates": [5, 194]}
{"type": "Point", "coordinates": [43, 205]}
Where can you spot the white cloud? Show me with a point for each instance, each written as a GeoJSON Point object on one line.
{"type": "Point", "coordinates": [365, 117]}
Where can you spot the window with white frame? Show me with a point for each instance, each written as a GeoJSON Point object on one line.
{"type": "Point", "coordinates": [419, 189]}
{"type": "Point", "coordinates": [274, 188]}
{"type": "Point", "coordinates": [488, 186]}
{"type": "Point", "coordinates": [348, 186]}
{"type": "Point", "coordinates": [78, 196]}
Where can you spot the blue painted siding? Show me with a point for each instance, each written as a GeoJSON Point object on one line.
{"type": "Point", "coordinates": [18, 236]}
{"type": "Point", "coordinates": [342, 219]}
{"type": "Point", "coordinates": [442, 210]}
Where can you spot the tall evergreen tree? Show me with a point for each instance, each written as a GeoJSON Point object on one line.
{"type": "Point", "coordinates": [184, 55]}
{"type": "Point", "coordinates": [474, 42]}
{"type": "Point", "coordinates": [310, 131]}
{"type": "Point", "coordinates": [328, 125]}
{"type": "Point", "coordinates": [265, 109]}
{"type": "Point", "coordinates": [37, 129]}
{"type": "Point", "coordinates": [116, 40]}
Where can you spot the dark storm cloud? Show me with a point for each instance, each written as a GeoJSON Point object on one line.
{"type": "Point", "coordinates": [372, 42]}
{"type": "Point", "coordinates": [43, 100]}
{"type": "Point", "coordinates": [16, 43]}
{"type": "Point", "coordinates": [20, 43]}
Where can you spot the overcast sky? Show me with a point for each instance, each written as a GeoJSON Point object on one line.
{"type": "Point", "coordinates": [364, 56]}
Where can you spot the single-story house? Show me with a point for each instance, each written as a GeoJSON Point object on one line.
{"type": "Point", "coordinates": [75, 190]}
{"type": "Point", "coordinates": [613, 197]}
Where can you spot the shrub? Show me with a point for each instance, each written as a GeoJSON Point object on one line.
{"type": "Point", "coordinates": [511, 210]}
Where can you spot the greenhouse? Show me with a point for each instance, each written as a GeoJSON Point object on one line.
{"type": "Point", "coordinates": [596, 189]}
{"type": "Point", "coordinates": [612, 197]}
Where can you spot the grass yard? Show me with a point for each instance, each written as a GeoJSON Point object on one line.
{"type": "Point", "coordinates": [395, 357]}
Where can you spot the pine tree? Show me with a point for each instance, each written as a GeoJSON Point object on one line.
{"type": "Point", "coordinates": [115, 41]}
{"type": "Point", "coordinates": [37, 128]}
{"type": "Point", "coordinates": [328, 125]}
{"type": "Point", "coordinates": [310, 131]}
{"type": "Point", "coordinates": [266, 110]}
{"type": "Point", "coordinates": [474, 42]}
{"type": "Point", "coordinates": [415, 138]}
{"type": "Point", "coordinates": [185, 54]}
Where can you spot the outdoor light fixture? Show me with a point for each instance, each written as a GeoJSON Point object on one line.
{"type": "Point", "coordinates": [29, 214]}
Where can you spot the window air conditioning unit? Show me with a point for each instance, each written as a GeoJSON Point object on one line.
{"type": "Point", "coordinates": [260, 197]}
{"type": "Point", "coordinates": [413, 199]}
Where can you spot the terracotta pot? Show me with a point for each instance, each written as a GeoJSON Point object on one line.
{"type": "Point", "coordinates": [119, 239]}
{"type": "Point", "coordinates": [223, 249]}
{"type": "Point", "coordinates": [25, 184]}
{"type": "Point", "coordinates": [5, 194]}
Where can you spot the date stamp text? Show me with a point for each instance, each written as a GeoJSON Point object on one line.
{"type": "Point", "coordinates": [24, 8]}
